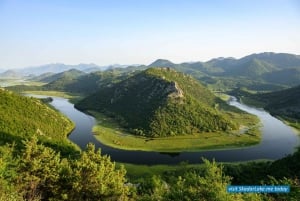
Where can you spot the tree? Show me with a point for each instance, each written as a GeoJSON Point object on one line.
{"type": "Point", "coordinates": [94, 177]}
{"type": "Point", "coordinates": [38, 171]}
{"type": "Point", "coordinates": [211, 186]}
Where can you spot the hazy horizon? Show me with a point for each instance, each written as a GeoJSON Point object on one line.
{"type": "Point", "coordinates": [134, 64]}
{"type": "Point", "coordinates": [35, 33]}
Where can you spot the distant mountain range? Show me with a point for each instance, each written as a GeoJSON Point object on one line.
{"type": "Point", "coordinates": [55, 68]}
{"type": "Point", "coordinates": [278, 68]}
{"type": "Point", "coordinates": [260, 72]}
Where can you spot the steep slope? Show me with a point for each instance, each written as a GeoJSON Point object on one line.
{"type": "Point", "coordinates": [161, 102]}
{"type": "Point", "coordinates": [279, 60]}
{"type": "Point", "coordinates": [61, 79]}
{"type": "Point", "coordinates": [45, 77]}
{"type": "Point", "coordinates": [284, 103]}
{"type": "Point", "coordinates": [161, 63]}
{"type": "Point", "coordinates": [88, 83]}
{"type": "Point", "coordinates": [263, 71]}
{"type": "Point", "coordinates": [290, 76]}
{"type": "Point", "coordinates": [252, 68]}
{"type": "Point", "coordinates": [21, 117]}
{"type": "Point", "coordinates": [84, 84]}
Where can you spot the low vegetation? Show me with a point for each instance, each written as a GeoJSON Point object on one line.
{"type": "Point", "coordinates": [109, 132]}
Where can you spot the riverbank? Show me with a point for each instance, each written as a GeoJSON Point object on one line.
{"type": "Point", "coordinates": [73, 98]}
{"type": "Point", "coordinates": [288, 121]}
{"type": "Point", "coordinates": [274, 134]}
{"type": "Point", "coordinates": [108, 132]}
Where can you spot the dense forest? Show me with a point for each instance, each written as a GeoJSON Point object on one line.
{"type": "Point", "coordinates": [162, 102]}
{"type": "Point", "coordinates": [283, 104]}
{"type": "Point", "coordinates": [74, 81]}
{"type": "Point", "coordinates": [261, 72]}
{"type": "Point", "coordinates": [22, 117]}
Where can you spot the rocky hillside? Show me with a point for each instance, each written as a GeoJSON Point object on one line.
{"type": "Point", "coordinates": [161, 102]}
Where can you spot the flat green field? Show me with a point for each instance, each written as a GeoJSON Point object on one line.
{"type": "Point", "coordinates": [110, 133]}
{"type": "Point", "coordinates": [5, 82]}
{"type": "Point", "coordinates": [135, 172]}
{"type": "Point", "coordinates": [71, 96]}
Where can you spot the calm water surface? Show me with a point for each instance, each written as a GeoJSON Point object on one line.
{"type": "Point", "coordinates": [278, 140]}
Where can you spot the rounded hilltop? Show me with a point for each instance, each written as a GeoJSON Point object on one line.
{"type": "Point", "coordinates": [161, 102]}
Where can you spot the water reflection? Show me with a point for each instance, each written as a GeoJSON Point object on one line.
{"type": "Point", "coordinates": [278, 140]}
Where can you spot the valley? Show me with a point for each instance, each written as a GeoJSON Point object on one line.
{"type": "Point", "coordinates": [172, 154]}
{"type": "Point", "coordinates": [149, 100]}
{"type": "Point", "coordinates": [157, 122]}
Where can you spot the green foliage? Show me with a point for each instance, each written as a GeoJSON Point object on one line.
{"type": "Point", "coordinates": [86, 83]}
{"type": "Point", "coordinates": [261, 72]}
{"type": "Point", "coordinates": [211, 184]}
{"type": "Point", "coordinates": [94, 177]}
{"type": "Point", "coordinates": [40, 173]}
{"type": "Point", "coordinates": [8, 163]}
{"type": "Point", "coordinates": [22, 117]}
{"type": "Point", "coordinates": [74, 81]}
{"type": "Point", "coordinates": [161, 102]}
{"type": "Point", "coordinates": [283, 103]}
{"type": "Point", "coordinates": [289, 76]}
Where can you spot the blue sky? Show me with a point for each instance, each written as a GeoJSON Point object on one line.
{"type": "Point", "coordinates": [35, 32]}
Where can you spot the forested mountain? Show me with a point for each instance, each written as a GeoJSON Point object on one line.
{"type": "Point", "coordinates": [87, 83]}
{"type": "Point", "coordinates": [260, 72]}
{"type": "Point", "coordinates": [264, 69]}
{"type": "Point", "coordinates": [290, 76]}
{"type": "Point", "coordinates": [284, 103]}
{"type": "Point", "coordinates": [22, 117]}
{"type": "Point", "coordinates": [63, 76]}
{"type": "Point", "coordinates": [75, 81]}
{"type": "Point", "coordinates": [45, 77]}
{"type": "Point", "coordinates": [161, 102]}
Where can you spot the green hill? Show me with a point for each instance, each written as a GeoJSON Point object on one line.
{"type": "Point", "coordinates": [284, 103]}
{"type": "Point", "coordinates": [252, 68]}
{"type": "Point", "coordinates": [45, 77]}
{"type": "Point", "coordinates": [290, 76]}
{"type": "Point", "coordinates": [262, 72]}
{"type": "Point", "coordinates": [22, 117]}
{"type": "Point", "coordinates": [60, 79]}
{"type": "Point", "coordinates": [75, 81]}
{"type": "Point", "coordinates": [87, 83]}
{"type": "Point", "coordinates": [161, 62]}
{"type": "Point", "coordinates": [161, 102]}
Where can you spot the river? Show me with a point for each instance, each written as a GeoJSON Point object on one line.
{"type": "Point", "coordinates": [278, 140]}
